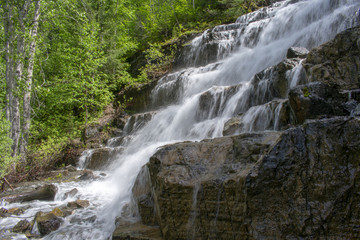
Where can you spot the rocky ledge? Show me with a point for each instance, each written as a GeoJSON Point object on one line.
{"type": "Point", "coordinates": [299, 183]}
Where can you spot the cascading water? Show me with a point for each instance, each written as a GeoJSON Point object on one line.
{"type": "Point", "coordinates": [195, 103]}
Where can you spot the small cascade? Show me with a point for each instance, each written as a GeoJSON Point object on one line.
{"type": "Point", "coordinates": [84, 158]}
{"type": "Point", "coordinates": [191, 226]}
{"type": "Point", "coordinates": [233, 78]}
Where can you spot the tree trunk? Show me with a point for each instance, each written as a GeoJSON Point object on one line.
{"type": "Point", "coordinates": [28, 82]}
{"type": "Point", "coordinates": [8, 33]}
{"type": "Point", "coordinates": [12, 112]}
{"type": "Point", "coordinates": [19, 66]}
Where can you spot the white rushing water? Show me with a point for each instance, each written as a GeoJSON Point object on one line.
{"type": "Point", "coordinates": [196, 102]}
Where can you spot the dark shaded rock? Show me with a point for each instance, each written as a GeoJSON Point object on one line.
{"type": "Point", "coordinates": [22, 226]}
{"type": "Point", "coordinates": [78, 204]}
{"type": "Point", "coordinates": [9, 212]}
{"type": "Point", "coordinates": [137, 121]}
{"type": "Point", "coordinates": [71, 193]}
{"type": "Point", "coordinates": [350, 106]}
{"type": "Point", "coordinates": [297, 52]}
{"type": "Point", "coordinates": [308, 184]}
{"type": "Point", "coordinates": [44, 193]}
{"type": "Point", "coordinates": [262, 186]}
{"type": "Point", "coordinates": [142, 196]}
{"type": "Point", "coordinates": [137, 97]}
{"type": "Point", "coordinates": [136, 231]}
{"type": "Point", "coordinates": [336, 63]}
{"type": "Point", "coordinates": [316, 100]}
{"type": "Point", "coordinates": [47, 222]}
{"type": "Point", "coordinates": [4, 212]}
{"type": "Point", "coordinates": [356, 111]}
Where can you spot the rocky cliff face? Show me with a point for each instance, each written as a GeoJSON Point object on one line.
{"type": "Point", "coordinates": [299, 183]}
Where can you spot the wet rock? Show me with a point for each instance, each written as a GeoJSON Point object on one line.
{"type": "Point", "coordinates": [22, 226]}
{"type": "Point", "coordinates": [356, 111]}
{"type": "Point", "coordinates": [67, 211]}
{"type": "Point", "coordinates": [100, 158]}
{"type": "Point", "coordinates": [78, 204]}
{"type": "Point", "coordinates": [316, 100]}
{"type": "Point", "coordinates": [336, 63]}
{"type": "Point", "coordinates": [136, 231]}
{"type": "Point", "coordinates": [15, 211]}
{"type": "Point", "coordinates": [70, 194]}
{"type": "Point", "coordinates": [142, 196]}
{"type": "Point", "coordinates": [4, 212]}
{"type": "Point", "coordinates": [137, 121]}
{"type": "Point", "coordinates": [350, 106]}
{"type": "Point", "coordinates": [44, 193]}
{"type": "Point", "coordinates": [91, 219]}
{"type": "Point", "coordinates": [212, 102]}
{"type": "Point", "coordinates": [308, 183]}
{"type": "Point", "coordinates": [57, 212]}
{"type": "Point", "coordinates": [87, 175]}
{"type": "Point", "coordinates": [297, 52]}
{"type": "Point", "coordinates": [232, 126]}
{"type": "Point", "coordinates": [47, 222]}
{"type": "Point", "coordinates": [261, 186]}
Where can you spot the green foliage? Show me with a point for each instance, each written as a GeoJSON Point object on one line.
{"type": "Point", "coordinates": [6, 160]}
{"type": "Point", "coordinates": [48, 151]}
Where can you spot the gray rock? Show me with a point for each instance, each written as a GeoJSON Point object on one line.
{"type": "Point", "coordinates": [261, 186]}
{"type": "Point", "coordinates": [336, 63]}
{"type": "Point", "coordinates": [44, 193]}
{"type": "Point", "coordinates": [316, 100]}
{"type": "Point", "coordinates": [71, 193]}
{"type": "Point", "coordinates": [78, 204]}
{"type": "Point", "coordinates": [356, 111]}
{"type": "Point", "coordinates": [297, 52]}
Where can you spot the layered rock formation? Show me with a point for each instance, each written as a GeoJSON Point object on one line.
{"type": "Point", "coordinates": [299, 183]}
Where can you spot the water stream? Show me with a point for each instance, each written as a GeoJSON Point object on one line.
{"type": "Point", "coordinates": [216, 82]}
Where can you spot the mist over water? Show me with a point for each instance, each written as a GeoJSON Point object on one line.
{"type": "Point", "coordinates": [194, 103]}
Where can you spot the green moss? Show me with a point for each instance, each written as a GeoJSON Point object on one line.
{"type": "Point", "coordinates": [306, 92]}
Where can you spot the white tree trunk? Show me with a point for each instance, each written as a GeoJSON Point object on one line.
{"type": "Point", "coordinates": [28, 81]}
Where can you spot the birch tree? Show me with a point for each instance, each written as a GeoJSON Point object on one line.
{"type": "Point", "coordinates": [20, 22]}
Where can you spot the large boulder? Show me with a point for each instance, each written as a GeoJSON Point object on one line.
{"type": "Point", "coordinates": [47, 222]}
{"type": "Point", "coordinates": [261, 185]}
{"type": "Point", "coordinates": [337, 62]}
{"type": "Point", "coordinates": [188, 180]}
{"type": "Point", "coordinates": [43, 193]}
{"type": "Point", "coordinates": [308, 184]}
{"type": "Point", "coordinates": [101, 157]}
{"type": "Point", "coordinates": [317, 100]}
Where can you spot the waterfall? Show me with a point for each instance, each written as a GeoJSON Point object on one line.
{"type": "Point", "coordinates": [224, 73]}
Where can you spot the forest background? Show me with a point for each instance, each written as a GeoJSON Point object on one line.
{"type": "Point", "coordinates": [63, 62]}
